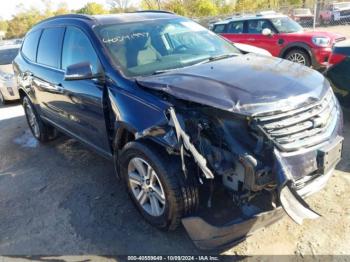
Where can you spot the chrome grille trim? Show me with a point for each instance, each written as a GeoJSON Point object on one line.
{"type": "Point", "coordinates": [302, 128]}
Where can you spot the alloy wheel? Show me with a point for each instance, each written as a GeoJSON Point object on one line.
{"type": "Point", "coordinates": [297, 58]}
{"type": "Point", "coordinates": [32, 120]}
{"type": "Point", "coordinates": [146, 187]}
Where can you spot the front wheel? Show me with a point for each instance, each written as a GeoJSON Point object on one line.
{"type": "Point", "coordinates": [299, 56]}
{"type": "Point", "coordinates": [40, 130]}
{"type": "Point", "coordinates": [156, 184]}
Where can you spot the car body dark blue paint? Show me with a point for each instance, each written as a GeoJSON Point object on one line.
{"type": "Point", "coordinates": [277, 118]}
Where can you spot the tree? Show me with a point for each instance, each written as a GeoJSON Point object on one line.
{"type": "Point", "coordinates": [22, 22]}
{"type": "Point", "coordinates": [92, 8]}
{"type": "Point", "coordinates": [62, 9]}
{"type": "Point", "coordinates": [152, 4]}
{"type": "Point", "coordinates": [3, 25]}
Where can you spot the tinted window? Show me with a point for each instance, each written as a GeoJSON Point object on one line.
{"type": "Point", "coordinates": [30, 45]}
{"type": "Point", "coordinates": [219, 29]}
{"type": "Point", "coordinates": [235, 27]}
{"type": "Point", "coordinates": [77, 48]}
{"type": "Point", "coordinates": [49, 51]}
{"type": "Point", "coordinates": [257, 26]}
{"type": "Point", "coordinates": [7, 56]}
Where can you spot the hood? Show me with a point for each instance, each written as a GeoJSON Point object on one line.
{"type": "Point", "coordinates": [247, 84]}
{"type": "Point", "coordinates": [7, 69]}
{"type": "Point", "coordinates": [252, 49]}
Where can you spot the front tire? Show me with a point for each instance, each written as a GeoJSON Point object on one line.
{"type": "Point", "coordinates": [157, 185]}
{"type": "Point", "coordinates": [299, 56]}
{"type": "Point", "coordinates": [40, 130]}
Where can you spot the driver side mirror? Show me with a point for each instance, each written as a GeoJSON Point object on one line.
{"type": "Point", "coordinates": [80, 71]}
{"type": "Point", "coordinates": [267, 32]}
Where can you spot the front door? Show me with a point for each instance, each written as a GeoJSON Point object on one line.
{"type": "Point", "coordinates": [82, 100]}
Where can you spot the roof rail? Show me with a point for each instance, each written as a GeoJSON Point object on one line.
{"type": "Point", "coordinates": [80, 16]}
{"type": "Point", "coordinates": [153, 11]}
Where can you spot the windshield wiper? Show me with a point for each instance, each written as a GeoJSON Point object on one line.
{"type": "Point", "coordinates": [158, 72]}
{"type": "Point", "coordinates": [219, 57]}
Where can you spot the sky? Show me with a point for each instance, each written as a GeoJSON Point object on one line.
{"type": "Point", "coordinates": [10, 7]}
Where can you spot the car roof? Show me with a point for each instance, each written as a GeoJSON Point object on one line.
{"type": "Point", "coordinates": [138, 16]}
{"type": "Point", "coordinates": [248, 17]}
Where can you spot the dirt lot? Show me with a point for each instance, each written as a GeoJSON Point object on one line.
{"type": "Point", "coordinates": [61, 198]}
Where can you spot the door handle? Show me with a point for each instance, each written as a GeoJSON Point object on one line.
{"type": "Point", "coordinates": [59, 88]}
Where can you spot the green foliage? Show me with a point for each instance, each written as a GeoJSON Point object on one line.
{"type": "Point", "coordinates": [3, 25]}
{"type": "Point", "coordinates": [92, 8]}
{"type": "Point", "coordinates": [22, 22]}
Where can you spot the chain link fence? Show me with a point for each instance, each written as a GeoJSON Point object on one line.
{"type": "Point", "coordinates": [310, 14]}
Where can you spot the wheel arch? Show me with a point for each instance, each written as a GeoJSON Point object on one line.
{"type": "Point", "coordinates": [297, 45]}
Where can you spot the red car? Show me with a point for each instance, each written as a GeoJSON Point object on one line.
{"type": "Point", "coordinates": [281, 36]}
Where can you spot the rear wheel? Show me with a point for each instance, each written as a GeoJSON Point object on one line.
{"type": "Point", "coordinates": [40, 130]}
{"type": "Point", "coordinates": [299, 56]}
{"type": "Point", "coordinates": [156, 184]}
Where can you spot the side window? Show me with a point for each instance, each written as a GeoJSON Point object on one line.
{"type": "Point", "coordinates": [219, 29]}
{"type": "Point", "coordinates": [257, 26]}
{"type": "Point", "coordinates": [235, 27]}
{"type": "Point", "coordinates": [30, 45]}
{"type": "Point", "coordinates": [49, 51]}
{"type": "Point", "coordinates": [77, 48]}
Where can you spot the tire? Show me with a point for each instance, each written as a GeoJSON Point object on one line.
{"type": "Point", "coordinates": [180, 193]}
{"type": "Point", "coordinates": [2, 99]}
{"type": "Point", "coordinates": [41, 131]}
{"type": "Point", "coordinates": [299, 56]}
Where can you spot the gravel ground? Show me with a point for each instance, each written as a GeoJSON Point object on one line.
{"type": "Point", "coordinates": [61, 198]}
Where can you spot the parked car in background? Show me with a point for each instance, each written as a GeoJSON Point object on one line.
{"type": "Point", "coordinates": [8, 84]}
{"type": "Point", "coordinates": [303, 16]}
{"type": "Point", "coordinates": [339, 72]}
{"type": "Point", "coordinates": [223, 142]}
{"type": "Point", "coordinates": [335, 12]}
{"type": "Point", "coordinates": [282, 37]}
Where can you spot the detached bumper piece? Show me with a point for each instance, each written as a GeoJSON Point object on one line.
{"type": "Point", "coordinates": [206, 236]}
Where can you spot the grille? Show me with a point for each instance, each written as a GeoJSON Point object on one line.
{"type": "Point", "coordinates": [304, 127]}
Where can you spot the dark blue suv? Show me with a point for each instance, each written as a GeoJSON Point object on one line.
{"type": "Point", "coordinates": [200, 133]}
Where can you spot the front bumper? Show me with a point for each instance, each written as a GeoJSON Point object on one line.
{"type": "Point", "coordinates": [207, 236]}
{"type": "Point", "coordinates": [321, 57]}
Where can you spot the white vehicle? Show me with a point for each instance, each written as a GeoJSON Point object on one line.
{"type": "Point", "coordinates": [8, 86]}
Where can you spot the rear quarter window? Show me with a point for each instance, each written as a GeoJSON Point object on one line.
{"type": "Point", "coordinates": [50, 45]}
{"type": "Point", "coordinates": [30, 45]}
{"type": "Point", "coordinates": [219, 29]}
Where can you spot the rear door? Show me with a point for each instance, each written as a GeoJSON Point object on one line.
{"type": "Point", "coordinates": [47, 74]}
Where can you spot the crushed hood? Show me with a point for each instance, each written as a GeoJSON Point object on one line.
{"type": "Point", "coordinates": [247, 84]}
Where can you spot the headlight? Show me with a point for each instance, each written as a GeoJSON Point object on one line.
{"type": "Point", "coordinates": [6, 77]}
{"type": "Point", "coordinates": [321, 41]}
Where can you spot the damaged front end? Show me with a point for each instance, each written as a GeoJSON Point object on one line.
{"type": "Point", "coordinates": [252, 168]}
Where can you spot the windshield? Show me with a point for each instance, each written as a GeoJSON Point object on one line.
{"type": "Point", "coordinates": [286, 25]}
{"type": "Point", "coordinates": [302, 12]}
{"type": "Point", "coordinates": [342, 5]}
{"type": "Point", "coordinates": [7, 56]}
{"type": "Point", "coordinates": [146, 48]}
